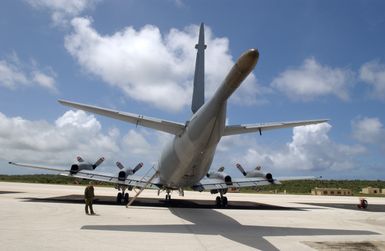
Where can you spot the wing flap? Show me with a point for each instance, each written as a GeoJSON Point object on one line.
{"type": "Point", "coordinates": [250, 128]}
{"type": "Point", "coordinates": [153, 123]}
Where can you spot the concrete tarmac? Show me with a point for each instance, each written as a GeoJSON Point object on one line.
{"type": "Point", "coordinates": [51, 217]}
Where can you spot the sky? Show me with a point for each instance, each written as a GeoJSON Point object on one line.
{"type": "Point", "coordinates": [318, 59]}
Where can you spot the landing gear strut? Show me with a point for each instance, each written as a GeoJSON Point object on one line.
{"type": "Point", "coordinates": [122, 197]}
{"type": "Point", "coordinates": [221, 201]}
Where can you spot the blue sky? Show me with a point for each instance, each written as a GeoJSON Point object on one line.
{"type": "Point", "coordinates": [318, 59]}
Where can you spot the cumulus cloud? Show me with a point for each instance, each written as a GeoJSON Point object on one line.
{"type": "Point", "coordinates": [310, 149]}
{"type": "Point", "coordinates": [312, 80]}
{"type": "Point", "coordinates": [14, 74]}
{"type": "Point", "coordinates": [368, 130]}
{"type": "Point", "coordinates": [63, 10]}
{"type": "Point", "coordinates": [74, 133]}
{"type": "Point", "coordinates": [373, 73]}
{"type": "Point", "coordinates": [150, 67]}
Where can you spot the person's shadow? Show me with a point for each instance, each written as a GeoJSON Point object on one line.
{"type": "Point", "coordinates": [213, 222]}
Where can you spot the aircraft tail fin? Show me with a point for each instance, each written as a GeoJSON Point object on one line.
{"type": "Point", "coordinates": [199, 77]}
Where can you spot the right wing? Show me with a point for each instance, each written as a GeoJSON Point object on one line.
{"type": "Point", "coordinates": [154, 123]}
{"type": "Point", "coordinates": [218, 184]}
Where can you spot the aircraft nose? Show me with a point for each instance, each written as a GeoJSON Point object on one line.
{"type": "Point", "coordinates": [248, 60]}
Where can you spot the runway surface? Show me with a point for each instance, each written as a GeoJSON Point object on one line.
{"type": "Point", "coordinates": [51, 217]}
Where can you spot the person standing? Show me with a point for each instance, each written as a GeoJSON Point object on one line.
{"type": "Point", "coordinates": [89, 197]}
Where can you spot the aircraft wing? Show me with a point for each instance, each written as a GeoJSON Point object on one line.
{"type": "Point", "coordinates": [58, 169]}
{"type": "Point", "coordinates": [132, 180]}
{"type": "Point", "coordinates": [154, 123]}
{"type": "Point", "coordinates": [214, 184]}
{"type": "Point", "coordinates": [249, 128]}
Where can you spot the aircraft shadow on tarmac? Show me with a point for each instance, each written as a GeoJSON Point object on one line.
{"type": "Point", "coordinates": [213, 222]}
{"type": "Point", "coordinates": [174, 203]}
{"type": "Point", "coordinates": [206, 221]}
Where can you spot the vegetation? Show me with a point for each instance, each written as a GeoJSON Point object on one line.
{"type": "Point", "coordinates": [291, 187]}
{"type": "Point", "coordinates": [305, 186]}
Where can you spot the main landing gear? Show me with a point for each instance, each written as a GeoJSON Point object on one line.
{"type": "Point", "coordinates": [221, 201]}
{"type": "Point", "coordinates": [122, 197]}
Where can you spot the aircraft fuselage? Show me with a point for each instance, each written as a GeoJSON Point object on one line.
{"type": "Point", "coordinates": [187, 158]}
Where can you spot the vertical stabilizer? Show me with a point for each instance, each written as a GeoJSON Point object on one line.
{"type": "Point", "coordinates": [199, 76]}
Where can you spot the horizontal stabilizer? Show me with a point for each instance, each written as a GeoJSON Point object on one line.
{"type": "Point", "coordinates": [139, 120]}
{"type": "Point", "coordinates": [250, 128]}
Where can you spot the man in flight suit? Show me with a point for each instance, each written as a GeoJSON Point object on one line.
{"type": "Point", "coordinates": [89, 197]}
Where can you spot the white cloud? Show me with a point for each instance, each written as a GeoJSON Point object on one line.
{"type": "Point", "coordinates": [44, 80]}
{"type": "Point", "coordinates": [312, 80]}
{"type": "Point", "coordinates": [74, 133]}
{"type": "Point", "coordinates": [14, 74]}
{"type": "Point", "coordinates": [368, 130]}
{"type": "Point", "coordinates": [63, 10]}
{"type": "Point", "coordinates": [11, 76]}
{"type": "Point", "coordinates": [150, 67]}
{"type": "Point", "coordinates": [373, 73]}
{"type": "Point", "coordinates": [310, 149]}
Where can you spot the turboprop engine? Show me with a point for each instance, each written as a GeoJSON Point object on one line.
{"type": "Point", "coordinates": [124, 172]}
{"type": "Point", "coordinates": [256, 173]}
{"type": "Point", "coordinates": [82, 165]}
{"type": "Point", "coordinates": [220, 174]}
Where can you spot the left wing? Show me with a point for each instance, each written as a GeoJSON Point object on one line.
{"type": "Point", "coordinates": [131, 180]}
{"type": "Point", "coordinates": [249, 128]}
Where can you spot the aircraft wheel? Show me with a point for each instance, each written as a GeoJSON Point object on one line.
{"type": "Point", "coordinates": [168, 197]}
{"type": "Point", "coordinates": [119, 198]}
{"type": "Point", "coordinates": [126, 198]}
{"type": "Point", "coordinates": [218, 201]}
{"type": "Point", "coordinates": [224, 201]}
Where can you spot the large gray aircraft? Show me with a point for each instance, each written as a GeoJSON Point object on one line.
{"type": "Point", "coordinates": [185, 161]}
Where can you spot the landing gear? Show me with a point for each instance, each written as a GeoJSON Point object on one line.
{"type": "Point", "coordinates": [122, 197]}
{"type": "Point", "coordinates": [221, 201]}
{"type": "Point", "coordinates": [168, 195]}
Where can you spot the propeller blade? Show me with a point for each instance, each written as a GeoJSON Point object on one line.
{"type": "Point", "coordinates": [240, 168]}
{"type": "Point", "coordinates": [119, 165]}
{"type": "Point", "coordinates": [138, 166]}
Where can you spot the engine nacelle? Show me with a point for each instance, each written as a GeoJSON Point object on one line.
{"type": "Point", "coordinates": [220, 175]}
{"type": "Point", "coordinates": [126, 171]}
{"type": "Point", "coordinates": [75, 168]}
{"type": "Point", "coordinates": [256, 173]}
{"type": "Point", "coordinates": [269, 177]}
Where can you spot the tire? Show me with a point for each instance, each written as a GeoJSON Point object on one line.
{"type": "Point", "coordinates": [119, 198]}
{"type": "Point", "coordinates": [218, 201]}
{"type": "Point", "coordinates": [224, 201]}
{"type": "Point", "coordinates": [126, 198]}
